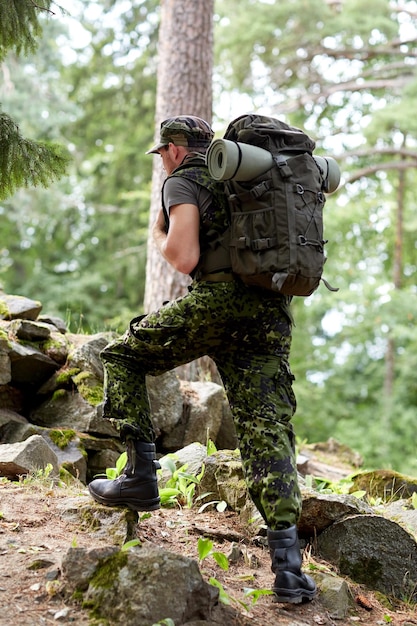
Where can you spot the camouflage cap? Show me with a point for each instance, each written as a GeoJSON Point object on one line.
{"type": "Point", "coordinates": [184, 130]}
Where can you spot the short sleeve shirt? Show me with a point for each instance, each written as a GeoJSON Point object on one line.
{"type": "Point", "coordinates": [179, 190]}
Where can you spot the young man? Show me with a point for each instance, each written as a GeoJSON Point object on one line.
{"type": "Point", "coordinates": [246, 331]}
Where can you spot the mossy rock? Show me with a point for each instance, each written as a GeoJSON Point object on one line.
{"type": "Point", "coordinates": [385, 484]}
{"type": "Point", "coordinates": [89, 387]}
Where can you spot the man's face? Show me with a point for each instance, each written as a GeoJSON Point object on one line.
{"type": "Point", "coordinates": [168, 157]}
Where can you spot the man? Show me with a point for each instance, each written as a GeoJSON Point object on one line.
{"type": "Point", "coordinates": [246, 331]}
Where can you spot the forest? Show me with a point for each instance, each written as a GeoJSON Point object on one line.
{"type": "Point", "coordinates": [79, 242]}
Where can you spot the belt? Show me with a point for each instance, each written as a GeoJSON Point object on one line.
{"type": "Point", "coordinates": [217, 277]}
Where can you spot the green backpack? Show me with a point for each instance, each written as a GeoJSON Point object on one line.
{"type": "Point", "coordinates": [276, 217]}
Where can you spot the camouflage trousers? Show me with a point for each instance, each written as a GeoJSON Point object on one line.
{"type": "Point", "coordinates": [247, 333]}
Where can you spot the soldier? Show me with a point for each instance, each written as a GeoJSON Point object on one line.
{"type": "Point", "coordinates": [245, 330]}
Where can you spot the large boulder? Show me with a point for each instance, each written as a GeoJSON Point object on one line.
{"type": "Point", "coordinates": [141, 586]}
{"type": "Point", "coordinates": [374, 551]}
{"type": "Point", "coordinates": [31, 455]}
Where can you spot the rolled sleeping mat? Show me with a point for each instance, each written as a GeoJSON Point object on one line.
{"type": "Point", "coordinates": [233, 160]}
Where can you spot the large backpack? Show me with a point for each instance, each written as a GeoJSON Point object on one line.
{"type": "Point", "coordinates": [276, 218]}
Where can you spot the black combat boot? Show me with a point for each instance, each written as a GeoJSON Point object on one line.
{"type": "Point", "coordinates": [290, 585]}
{"type": "Point", "coordinates": [137, 487]}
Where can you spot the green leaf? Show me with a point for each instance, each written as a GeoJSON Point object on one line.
{"type": "Point", "coordinates": [190, 477]}
{"type": "Point", "coordinates": [255, 594]}
{"type": "Point", "coordinates": [169, 492]}
{"type": "Point", "coordinates": [223, 595]}
{"type": "Point", "coordinates": [359, 494]}
{"type": "Point", "coordinates": [221, 560]}
{"type": "Point", "coordinates": [168, 463]}
{"type": "Point", "coordinates": [204, 547]}
{"type": "Point", "coordinates": [121, 463]}
{"type": "Point", "coordinates": [414, 500]}
{"type": "Point", "coordinates": [130, 544]}
{"type": "Point", "coordinates": [211, 447]}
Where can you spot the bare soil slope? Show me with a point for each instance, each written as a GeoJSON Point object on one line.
{"type": "Point", "coordinates": [34, 536]}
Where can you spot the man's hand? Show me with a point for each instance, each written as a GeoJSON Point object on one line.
{"type": "Point", "coordinates": [179, 246]}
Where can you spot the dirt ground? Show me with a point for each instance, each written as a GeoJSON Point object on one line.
{"type": "Point", "coordinates": [34, 536]}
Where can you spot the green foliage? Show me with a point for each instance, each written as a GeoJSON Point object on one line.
{"type": "Point", "coordinates": [205, 550]}
{"type": "Point", "coordinates": [255, 594]}
{"type": "Point", "coordinates": [24, 162]}
{"type": "Point", "coordinates": [225, 597]}
{"type": "Point", "coordinates": [40, 477]}
{"type": "Point", "coordinates": [19, 25]}
{"type": "Point", "coordinates": [114, 472]}
{"type": "Point", "coordinates": [62, 438]}
{"type": "Point", "coordinates": [343, 486]}
{"type": "Point", "coordinates": [130, 544]}
{"type": "Point", "coordinates": [180, 487]}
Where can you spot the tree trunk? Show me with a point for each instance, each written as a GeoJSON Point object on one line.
{"type": "Point", "coordinates": [185, 67]}
{"type": "Point", "coordinates": [184, 87]}
{"type": "Point", "coordinates": [397, 277]}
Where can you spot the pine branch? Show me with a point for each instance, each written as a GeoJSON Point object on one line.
{"type": "Point", "coordinates": [25, 163]}
{"type": "Point", "coordinates": [19, 25]}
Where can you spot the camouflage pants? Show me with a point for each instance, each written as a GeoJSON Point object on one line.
{"type": "Point", "coordinates": [248, 335]}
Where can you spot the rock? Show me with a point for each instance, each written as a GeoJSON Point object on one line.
{"type": "Point", "coordinates": [79, 565]}
{"type": "Point", "coordinates": [69, 452]}
{"type": "Point", "coordinates": [12, 398]}
{"type": "Point", "coordinates": [56, 347]}
{"type": "Point", "coordinates": [166, 402]}
{"type": "Point", "coordinates": [335, 596]}
{"type": "Point", "coordinates": [385, 484]}
{"type": "Point", "coordinates": [14, 307]}
{"type": "Point", "coordinates": [11, 424]}
{"type": "Point", "coordinates": [201, 417]}
{"type": "Point", "coordinates": [29, 365]}
{"type": "Point", "coordinates": [57, 322]}
{"type": "Point", "coordinates": [21, 458]}
{"type": "Point", "coordinates": [70, 410]}
{"type": "Point", "coordinates": [99, 461]}
{"type": "Point", "coordinates": [140, 586]}
{"type": "Point", "coordinates": [223, 478]}
{"type": "Point", "coordinates": [27, 330]}
{"type": "Point", "coordinates": [402, 512]}
{"type": "Point", "coordinates": [373, 551]}
{"type": "Point", "coordinates": [86, 357]}
{"type": "Point", "coordinates": [5, 365]}
{"type": "Point", "coordinates": [115, 525]}
{"type": "Point", "coordinates": [321, 510]}
{"type": "Point", "coordinates": [192, 455]}
{"type": "Point", "coordinates": [226, 437]}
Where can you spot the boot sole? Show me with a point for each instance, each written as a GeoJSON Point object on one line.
{"type": "Point", "coordinates": [296, 598]}
{"type": "Point", "coordinates": [133, 505]}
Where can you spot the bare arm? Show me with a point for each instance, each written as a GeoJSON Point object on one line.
{"type": "Point", "coordinates": [180, 245]}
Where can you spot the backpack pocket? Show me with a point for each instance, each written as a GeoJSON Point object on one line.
{"type": "Point", "coordinates": [253, 241]}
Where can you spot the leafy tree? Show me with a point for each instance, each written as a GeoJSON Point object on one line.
{"type": "Point", "coordinates": [23, 162]}
{"type": "Point", "coordinates": [81, 248]}
{"type": "Point", "coordinates": [349, 77]}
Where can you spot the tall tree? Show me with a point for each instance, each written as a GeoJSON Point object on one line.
{"type": "Point", "coordinates": [184, 85]}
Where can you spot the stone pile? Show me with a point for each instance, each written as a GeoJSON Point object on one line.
{"type": "Point", "coordinates": [51, 390]}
